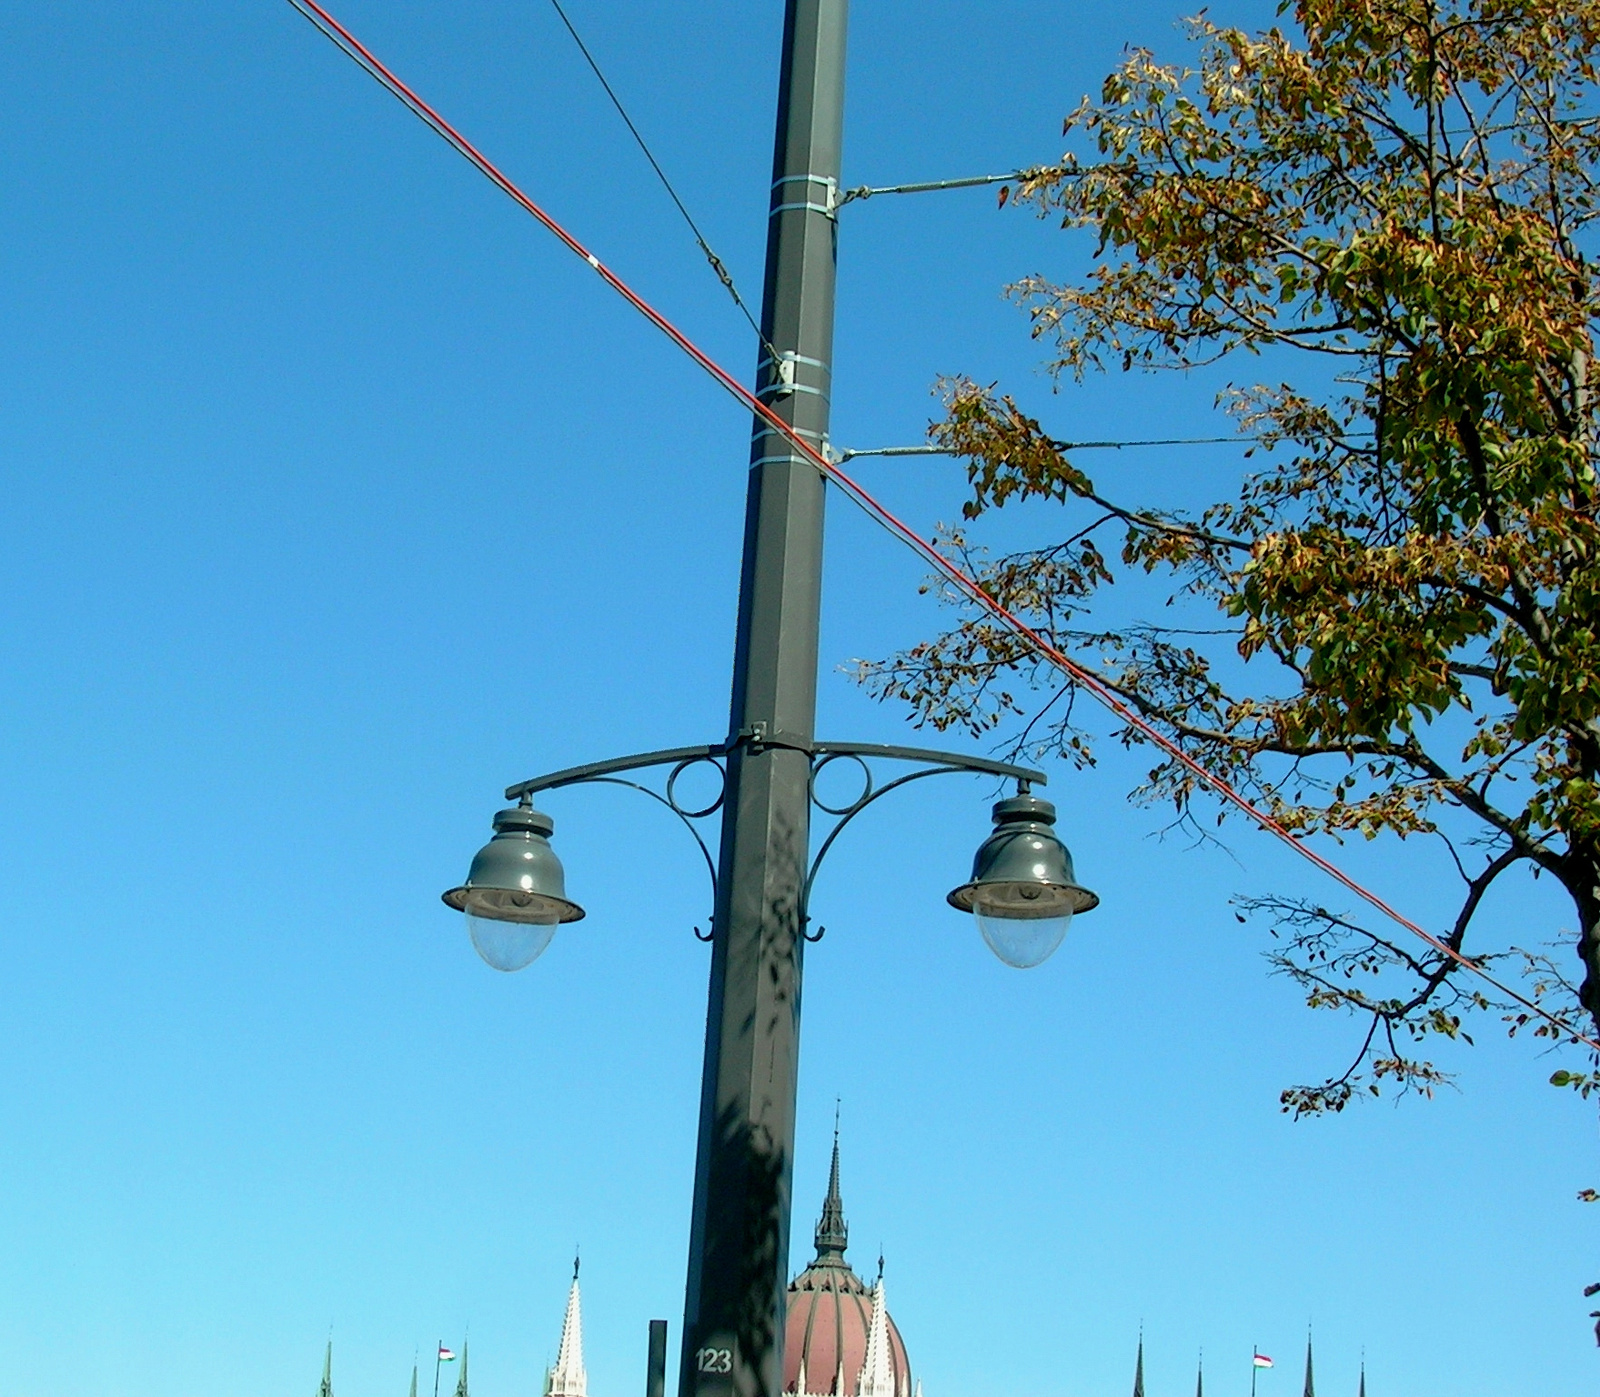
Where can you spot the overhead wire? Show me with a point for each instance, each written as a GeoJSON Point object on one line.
{"type": "Point", "coordinates": [957, 577]}
{"type": "Point", "coordinates": [716, 263]}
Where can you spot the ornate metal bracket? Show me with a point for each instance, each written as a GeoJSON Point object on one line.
{"type": "Point", "coordinates": [821, 754]}
{"type": "Point", "coordinates": [680, 759]}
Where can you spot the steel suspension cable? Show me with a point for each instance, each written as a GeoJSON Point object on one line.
{"type": "Point", "coordinates": [962, 581]}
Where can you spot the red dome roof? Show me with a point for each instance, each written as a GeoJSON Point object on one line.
{"type": "Point", "coordinates": [830, 1314]}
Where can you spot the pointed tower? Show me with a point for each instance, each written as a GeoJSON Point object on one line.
{"type": "Point", "coordinates": [326, 1390]}
{"type": "Point", "coordinates": [461, 1382]}
{"type": "Point", "coordinates": [1311, 1387]}
{"type": "Point", "coordinates": [1363, 1378]}
{"type": "Point", "coordinates": [413, 1380]}
{"type": "Point", "coordinates": [567, 1378]}
{"type": "Point", "coordinates": [832, 1235]}
{"type": "Point", "coordinates": [840, 1339]}
{"type": "Point", "coordinates": [1138, 1370]}
{"type": "Point", "coordinates": [1200, 1379]}
{"type": "Point", "coordinates": [877, 1369]}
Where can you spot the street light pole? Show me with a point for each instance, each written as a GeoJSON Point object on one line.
{"type": "Point", "coordinates": [739, 1235]}
{"type": "Point", "coordinates": [1022, 892]}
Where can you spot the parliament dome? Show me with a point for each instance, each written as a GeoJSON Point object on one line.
{"type": "Point", "coordinates": [839, 1340]}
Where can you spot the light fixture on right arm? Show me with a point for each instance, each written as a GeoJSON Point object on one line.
{"type": "Point", "coordinates": [1023, 891]}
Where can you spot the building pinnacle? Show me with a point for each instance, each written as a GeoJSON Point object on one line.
{"type": "Point", "coordinates": [877, 1372]}
{"type": "Point", "coordinates": [568, 1378]}
{"type": "Point", "coordinates": [833, 1236]}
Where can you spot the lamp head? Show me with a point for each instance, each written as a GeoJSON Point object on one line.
{"type": "Point", "coordinates": [1023, 891]}
{"type": "Point", "coordinates": [515, 894]}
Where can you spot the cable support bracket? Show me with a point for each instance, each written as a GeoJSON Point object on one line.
{"type": "Point", "coordinates": [784, 367]}
{"type": "Point", "coordinates": [865, 191]}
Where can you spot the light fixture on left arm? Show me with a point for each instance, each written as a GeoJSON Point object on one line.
{"type": "Point", "coordinates": [515, 894]}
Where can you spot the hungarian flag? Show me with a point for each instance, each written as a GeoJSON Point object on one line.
{"type": "Point", "coordinates": [449, 1355]}
{"type": "Point", "coordinates": [1262, 1361]}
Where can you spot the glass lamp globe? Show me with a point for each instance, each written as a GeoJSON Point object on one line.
{"type": "Point", "coordinates": [510, 945]}
{"type": "Point", "coordinates": [1024, 930]}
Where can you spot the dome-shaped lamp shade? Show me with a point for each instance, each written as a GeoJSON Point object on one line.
{"type": "Point", "coordinates": [515, 894]}
{"type": "Point", "coordinates": [1023, 891]}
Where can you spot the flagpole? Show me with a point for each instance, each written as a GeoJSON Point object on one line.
{"type": "Point", "coordinates": [438, 1354]}
{"type": "Point", "coordinates": [1253, 1370]}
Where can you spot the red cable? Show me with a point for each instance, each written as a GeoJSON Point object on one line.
{"type": "Point", "coordinates": [966, 583]}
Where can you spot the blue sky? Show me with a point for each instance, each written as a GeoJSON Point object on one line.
{"type": "Point", "coordinates": [338, 497]}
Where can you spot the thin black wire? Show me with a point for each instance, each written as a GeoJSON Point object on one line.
{"type": "Point", "coordinates": [717, 266]}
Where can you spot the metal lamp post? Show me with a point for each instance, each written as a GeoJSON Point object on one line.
{"type": "Point", "coordinates": [1022, 887]}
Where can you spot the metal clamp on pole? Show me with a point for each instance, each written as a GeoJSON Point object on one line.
{"type": "Point", "coordinates": [758, 736]}
{"type": "Point", "coordinates": [831, 198]}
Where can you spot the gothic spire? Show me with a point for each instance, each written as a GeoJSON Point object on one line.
{"type": "Point", "coordinates": [413, 1380]}
{"type": "Point", "coordinates": [833, 1236]}
{"type": "Point", "coordinates": [1200, 1379]}
{"type": "Point", "coordinates": [877, 1369]}
{"type": "Point", "coordinates": [326, 1390]}
{"type": "Point", "coordinates": [1363, 1378]}
{"type": "Point", "coordinates": [1311, 1389]}
{"type": "Point", "coordinates": [461, 1383]}
{"type": "Point", "coordinates": [567, 1378]}
{"type": "Point", "coordinates": [1138, 1371]}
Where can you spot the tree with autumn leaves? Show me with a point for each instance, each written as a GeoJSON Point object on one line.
{"type": "Point", "coordinates": [1392, 204]}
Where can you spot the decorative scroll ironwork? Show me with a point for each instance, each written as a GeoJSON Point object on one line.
{"type": "Point", "coordinates": [821, 754]}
